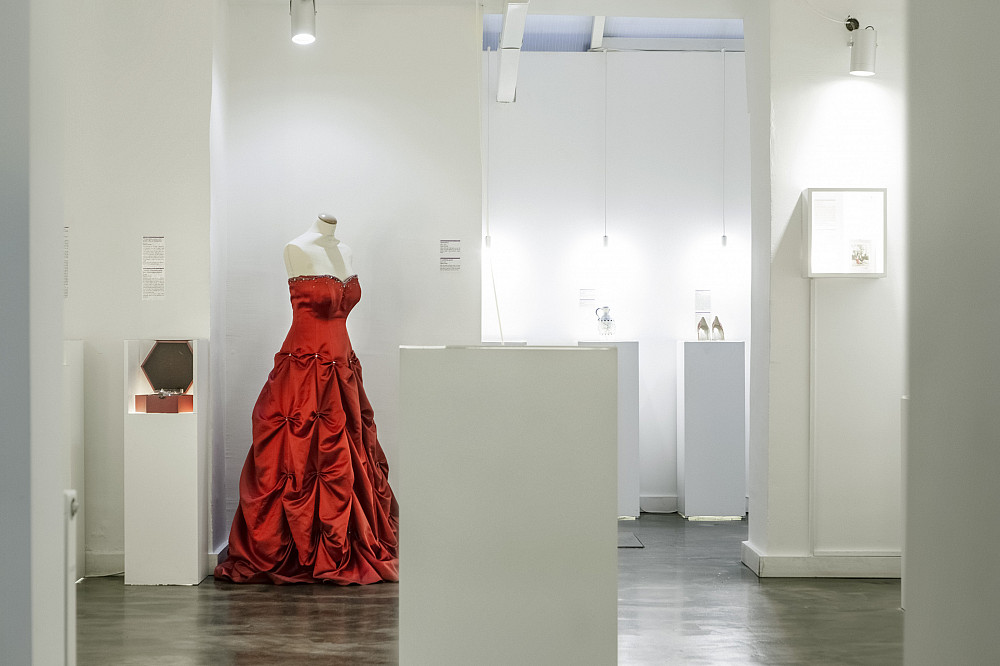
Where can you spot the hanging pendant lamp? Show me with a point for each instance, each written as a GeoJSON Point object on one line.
{"type": "Point", "coordinates": [303, 21]}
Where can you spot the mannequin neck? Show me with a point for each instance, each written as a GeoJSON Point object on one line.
{"type": "Point", "coordinates": [324, 228]}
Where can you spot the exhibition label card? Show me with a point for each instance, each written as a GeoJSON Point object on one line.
{"type": "Point", "coordinates": [450, 259]}
{"type": "Point", "coordinates": [702, 301]}
{"type": "Point", "coordinates": [154, 265]}
{"type": "Point", "coordinates": [65, 262]}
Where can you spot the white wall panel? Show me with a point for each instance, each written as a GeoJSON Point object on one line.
{"type": "Point", "coordinates": [664, 212]}
{"type": "Point", "coordinates": [377, 130]}
{"type": "Point", "coordinates": [139, 81]}
{"type": "Point", "coordinates": [952, 586]}
{"type": "Point", "coordinates": [831, 471]}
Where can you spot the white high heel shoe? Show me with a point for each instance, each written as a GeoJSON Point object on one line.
{"type": "Point", "coordinates": [703, 333]}
{"type": "Point", "coordinates": [717, 332]}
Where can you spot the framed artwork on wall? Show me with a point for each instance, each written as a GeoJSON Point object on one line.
{"type": "Point", "coordinates": [845, 232]}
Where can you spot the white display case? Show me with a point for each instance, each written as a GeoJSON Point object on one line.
{"type": "Point", "coordinates": [507, 489]}
{"type": "Point", "coordinates": [845, 232]}
{"type": "Point", "coordinates": [628, 423]}
{"type": "Point", "coordinates": [166, 479]}
{"type": "Point", "coordinates": [711, 429]}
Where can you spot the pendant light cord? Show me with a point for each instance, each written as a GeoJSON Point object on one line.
{"type": "Point", "coordinates": [724, 110]}
{"type": "Point", "coordinates": [605, 146]}
{"type": "Point", "coordinates": [810, 5]}
{"type": "Point", "coordinates": [486, 187]}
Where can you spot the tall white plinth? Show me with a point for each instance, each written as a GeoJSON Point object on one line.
{"type": "Point", "coordinates": [628, 423]}
{"type": "Point", "coordinates": [507, 482]}
{"type": "Point", "coordinates": [166, 481]}
{"type": "Point", "coordinates": [711, 438]}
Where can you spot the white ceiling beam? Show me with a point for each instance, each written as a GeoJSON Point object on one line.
{"type": "Point", "coordinates": [672, 44]}
{"type": "Point", "coordinates": [514, 17]}
{"type": "Point", "coordinates": [597, 33]}
{"type": "Point", "coordinates": [511, 37]}
{"type": "Point", "coordinates": [507, 77]}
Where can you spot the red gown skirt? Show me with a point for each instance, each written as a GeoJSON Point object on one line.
{"type": "Point", "coordinates": [315, 502]}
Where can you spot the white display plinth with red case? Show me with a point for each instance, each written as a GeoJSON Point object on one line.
{"type": "Point", "coordinates": [166, 479]}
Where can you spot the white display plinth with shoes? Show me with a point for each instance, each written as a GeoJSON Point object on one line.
{"type": "Point", "coordinates": [506, 479]}
{"type": "Point", "coordinates": [711, 431]}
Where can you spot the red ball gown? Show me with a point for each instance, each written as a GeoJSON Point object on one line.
{"type": "Point", "coordinates": [315, 502]}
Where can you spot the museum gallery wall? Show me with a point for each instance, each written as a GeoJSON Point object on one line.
{"type": "Point", "coordinates": [388, 138]}
{"type": "Point", "coordinates": [359, 125]}
{"type": "Point", "coordinates": [667, 169]}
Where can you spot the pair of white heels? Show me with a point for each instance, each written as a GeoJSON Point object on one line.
{"type": "Point", "coordinates": [716, 332]}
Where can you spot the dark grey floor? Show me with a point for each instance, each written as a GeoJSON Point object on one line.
{"type": "Point", "coordinates": [686, 599]}
{"type": "Point", "coordinates": [683, 599]}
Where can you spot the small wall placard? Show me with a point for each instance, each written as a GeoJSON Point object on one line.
{"type": "Point", "coordinates": [845, 232]}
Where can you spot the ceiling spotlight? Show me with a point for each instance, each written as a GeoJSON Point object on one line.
{"type": "Point", "coordinates": [303, 20]}
{"type": "Point", "coordinates": [863, 44]}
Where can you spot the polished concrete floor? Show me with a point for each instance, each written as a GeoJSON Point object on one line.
{"type": "Point", "coordinates": [683, 599]}
{"type": "Point", "coordinates": [686, 599]}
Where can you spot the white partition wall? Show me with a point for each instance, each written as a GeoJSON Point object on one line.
{"type": "Point", "coordinates": [506, 483]}
{"type": "Point", "coordinates": [711, 435]}
{"type": "Point", "coordinates": [166, 483]}
{"type": "Point", "coordinates": [628, 424]}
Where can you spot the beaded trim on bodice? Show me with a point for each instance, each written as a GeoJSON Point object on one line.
{"type": "Point", "coordinates": [302, 278]}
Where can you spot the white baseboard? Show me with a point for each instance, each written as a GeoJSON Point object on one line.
{"type": "Point", "coordinates": [658, 503]}
{"type": "Point", "coordinates": [108, 564]}
{"type": "Point", "coordinates": [103, 564]}
{"type": "Point", "coordinates": [219, 555]}
{"type": "Point", "coordinates": [842, 565]}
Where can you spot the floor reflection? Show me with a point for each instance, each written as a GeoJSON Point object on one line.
{"type": "Point", "coordinates": [684, 598]}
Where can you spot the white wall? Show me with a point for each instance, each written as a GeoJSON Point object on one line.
{"type": "Point", "coordinates": [664, 174]}
{"type": "Point", "coordinates": [15, 401]}
{"type": "Point", "coordinates": [218, 526]}
{"type": "Point", "coordinates": [833, 490]}
{"type": "Point", "coordinates": [378, 128]}
{"type": "Point", "coordinates": [952, 586]}
{"type": "Point", "coordinates": [35, 467]}
{"type": "Point", "coordinates": [50, 451]}
{"type": "Point", "coordinates": [139, 77]}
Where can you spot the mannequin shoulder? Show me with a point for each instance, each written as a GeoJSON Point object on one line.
{"type": "Point", "coordinates": [296, 259]}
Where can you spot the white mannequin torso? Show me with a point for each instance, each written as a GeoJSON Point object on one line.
{"type": "Point", "coordinates": [319, 252]}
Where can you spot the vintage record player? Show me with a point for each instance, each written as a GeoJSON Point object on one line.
{"type": "Point", "coordinates": [169, 368]}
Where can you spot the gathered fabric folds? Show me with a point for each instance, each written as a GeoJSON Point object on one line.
{"type": "Point", "coordinates": [315, 502]}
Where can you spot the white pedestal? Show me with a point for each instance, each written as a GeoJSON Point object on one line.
{"type": "Point", "coordinates": [507, 482]}
{"type": "Point", "coordinates": [628, 423]}
{"type": "Point", "coordinates": [711, 440]}
{"type": "Point", "coordinates": [166, 499]}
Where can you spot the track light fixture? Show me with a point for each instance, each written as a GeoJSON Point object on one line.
{"type": "Point", "coordinates": [303, 20]}
{"type": "Point", "coordinates": [863, 44]}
